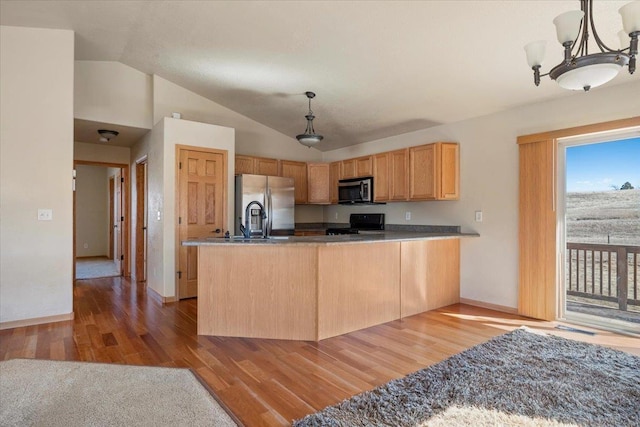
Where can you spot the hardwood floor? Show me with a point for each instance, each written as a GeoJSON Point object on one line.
{"type": "Point", "coordinates": [264, 382]}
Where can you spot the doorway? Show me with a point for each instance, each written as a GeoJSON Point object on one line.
{"type": "Point", "coordinates": [100, 218]}
{"type": "Point", "coordinates": [599, 228]}
{"type": "Point", "coordinates": [142, 198]}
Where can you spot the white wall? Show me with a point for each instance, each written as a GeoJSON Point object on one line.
{"type": "Point", "coordinates": [160, 148]}
{"type": "Point", "coordinates": [112, 92]}
{"type": "Point", "coordinates": [151, 146]}
{"type": "Point", "coordinates": [489, 181]}
{"type": "Point", "coordinates": [101, 153]}
{"type": "Point", "coordinates": [36, 160]}
{"type": "Point", "coordinates": [92, 211]}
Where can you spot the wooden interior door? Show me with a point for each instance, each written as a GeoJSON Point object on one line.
{"type": "Point", "coordinates": [118, 222]}
{"type": "Point", "coordinates": [201, 196]}
{"type": "Point", "coordinates": [112, 217]}
{"type": "Point", "coordinates": [141, 221]}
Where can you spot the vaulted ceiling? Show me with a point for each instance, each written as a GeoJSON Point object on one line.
{"type": "Point", "coordinates": [379, 68]}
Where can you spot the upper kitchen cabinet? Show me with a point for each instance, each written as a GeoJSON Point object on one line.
{"type": "Point", "coordinates": [434, 172]}
{"type": "Point", "coordinates": [357, 168]}
{"type": "Point", "coordinates": [256, 165]}
{"type": "Point", "coordinates": [297, 171]}
{"type": "Point", "coordinates": [391, 175]}
{"type": "Point", "coordinates": [318, 183]}
{"type": "Point", "coordinates": [244, 164]}
{"type": "Point", "coordinates": [334, 177]}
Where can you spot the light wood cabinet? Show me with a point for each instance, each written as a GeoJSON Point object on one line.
{"type": "Point", "coordinates": [297, 171]}
{"type": "Point", "coordinates": [318, 183]}
{"type": "Point", "coordinates": [434, 172]}
{"type": "Point", "coordinates": [244, 164]}
{"type": "Point", "coordinates": [357, 167]}
{"type": "Point", "coordinates": [266, 166]}
{"type": "Point", "coordinates": [256, 165]}
{"type": "Point", "coordinates": [391, 175]}
{"type": "Point", "coordinates": [334, 177]}
{"type": "Point", "coordinates": [381, 177]}
{"type": "Point", "coordinates": [399, 175]}
{"type": "Point", "coordinates": [429, 275]}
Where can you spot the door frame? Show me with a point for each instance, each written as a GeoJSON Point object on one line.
{"type": "Point", "coordinates": [225, 200]}
{"type": "Point", "coordinates": [529, 290]}
{"type": "Point", "coordinates": [562, 145]}
{"type": "Point", "coordinates": [126, 195]}
{"type": "Point", "coordinates": [142, 172]}
{"type": "Point", "coordinates": [112, 193]}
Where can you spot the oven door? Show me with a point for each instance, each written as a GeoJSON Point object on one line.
{"type": "Point", "coordinates": [359, 190]}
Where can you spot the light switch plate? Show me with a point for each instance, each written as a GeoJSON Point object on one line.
{"type": "Point", "coordinates": [45, 214]}
{"type": "Point", "coordinates": [407, 216]}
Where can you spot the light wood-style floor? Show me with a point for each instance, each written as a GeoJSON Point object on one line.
{"type": "Point", "coordinates": [264, 382]}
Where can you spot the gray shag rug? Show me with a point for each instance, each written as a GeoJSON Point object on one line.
{"type": "Point", "coordinates": [53, 393]}
{"type": "Point", "coordinates": [520, 378]}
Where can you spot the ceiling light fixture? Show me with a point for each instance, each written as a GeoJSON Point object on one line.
{"type": "Point", "coordinates": [580, 69]}
{"type": "Point", "coordinates": [107, 135]}
{"type": "Point", "coordinates": [309, 138]}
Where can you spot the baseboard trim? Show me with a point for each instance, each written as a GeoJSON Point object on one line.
{"type": "Point", "coordinates": [496, 307]}
{"type": "Point", "coordinates": [156, 296]}
{"type": "Point", "coordinates": [36, 321]}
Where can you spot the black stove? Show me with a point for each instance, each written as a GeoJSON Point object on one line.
{"type": "Point", "coordinates": [360, 222]}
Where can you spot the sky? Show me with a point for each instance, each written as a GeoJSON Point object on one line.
{"type": "Point", "coordinates": [596, 167]}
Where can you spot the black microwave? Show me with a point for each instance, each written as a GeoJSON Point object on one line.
{"type": "Point", "coordinates": [356, 190]}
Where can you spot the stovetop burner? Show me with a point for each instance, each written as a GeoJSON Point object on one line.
{"type": "Point", "coordinates": [360, 222]}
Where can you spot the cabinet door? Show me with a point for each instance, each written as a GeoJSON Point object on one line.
{"type": "Point", "coordinates": [430, 275]}
{"type": "Point", "coordinates": [381, 177]}
{"type": "Point", "coordinates": [348, 169]}
{"type": "Point", "coordinates": [334, 177]}
{"type": "Point", "coordinates": [244, 164]}
{"type": "Point", "coordinates": [264, 166]}
{"type": "Point", "coordinates": [364, 166]}
{"type": "Point", "coordinates": [297, 171]}
{"type": "Point", "coordinates": [318, 183]}
{"type": "Point", "coordinates": [422, 172]}
{"type": "Point", "coordinates": [398, 175]}
{"type": "Point", "coordinates": [449, 171]}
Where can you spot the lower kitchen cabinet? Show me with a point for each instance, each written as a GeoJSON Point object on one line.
{"type": "Point", "coordinates": [430, 275]}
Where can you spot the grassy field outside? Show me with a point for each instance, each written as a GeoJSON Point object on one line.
{"type": "Point", "coordinates": [605, 217]}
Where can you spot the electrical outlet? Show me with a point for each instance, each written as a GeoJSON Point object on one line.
{"type": "Point", "coordinates": [478, 216]}
{"type": "Point", "coordinates": [336, 215]}
{"type": "Point", "coordinates": [159, 215]}
{"type": "Point", "coordinates": [45, 214]}
{"type": "Point", "coordinates": [407, 216]}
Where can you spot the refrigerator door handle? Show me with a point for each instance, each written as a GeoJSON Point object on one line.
{"type": "Point", "coordinates": [269, 212]}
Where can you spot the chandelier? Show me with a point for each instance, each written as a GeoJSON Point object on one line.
{"type": "Point", "coordinates": [581, 70]}
{"type": "Point", "coordinates": [309, 138]}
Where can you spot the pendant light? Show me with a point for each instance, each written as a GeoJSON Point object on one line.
{"type": "Point", "coordinates": [581, 70]}
{"type": "Point", "coordinates": [309, 138]}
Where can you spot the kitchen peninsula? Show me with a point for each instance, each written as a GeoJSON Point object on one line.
{"type": "Point", "coordinates": [316, 287]}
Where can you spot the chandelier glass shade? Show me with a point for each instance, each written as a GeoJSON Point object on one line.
{"type": "Point", "coordinates": [309, 138]}
{"type": "Point", "coordinates": [581, 70]}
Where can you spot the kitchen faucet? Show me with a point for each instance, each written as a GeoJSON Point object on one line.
{"type": "Point", "coordinates": [246, 228]}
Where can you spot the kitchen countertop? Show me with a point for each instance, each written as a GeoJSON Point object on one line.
{"type": "Point", "coordinates": [388, 236]}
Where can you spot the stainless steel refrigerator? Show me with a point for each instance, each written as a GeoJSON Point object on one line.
{"type": "Point", "coordinates": [276, 194]}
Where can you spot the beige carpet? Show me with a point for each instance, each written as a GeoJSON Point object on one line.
{"type": "Point", "coordinates": [95, 267]}
{"type": "Point", "coordinates": [50, 393]}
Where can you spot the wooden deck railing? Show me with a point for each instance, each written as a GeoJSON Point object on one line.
{"type": "Point", "coordinates": [604, 272]}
